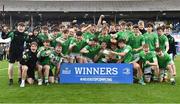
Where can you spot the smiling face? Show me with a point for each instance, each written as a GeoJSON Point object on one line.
{"type": "Point", "coordinates": [46, 44]}
{"type": "Point", "coordinates": [71, 32]}
{"type": "Point", "coordinates": [141, 24]}
{"type": "Point", "coordinates": [167, 31]}
{"type": "Point", "coordinates": [93, 29]}
{"type": "Point", "coordinates": [121, 44]}
{"type": "Point", "coordinates": [45, 31]}
{"type": "Point", "coordinates": [55, 33]}
{"type": "Point", "coordinates": [149, 29]}
{"type": "Point", "coordinates": [33, 48]}
{"type": "Point", "coordinates": [79, 37]}
{"type": "Point", "coordinates": [160, 54]}
{"type": "Point", "coordinates": [146, 49]}
{"type": "Point", "coordinates": [160, 32]}
{"type": "Point", "coordinates": [58, 49]}
{"type": "Point", "coordinates": [103, 45]}
{"type": "Point", "coordinates": [104, 32]}
{"type": "Point", "coordinates": [35, 32]}
{"type": "Point", "coordinates": [136, 30]}
{"type": "Point", "coordinates": [21, 28]}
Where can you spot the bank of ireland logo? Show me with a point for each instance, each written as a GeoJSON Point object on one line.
{"type": "Point", "coordinates": [126, 71]}
{"type": "Point", "coordinates": [66, 71]}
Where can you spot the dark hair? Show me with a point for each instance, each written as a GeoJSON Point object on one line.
{"type": "Point", "coordinates": [65, 31]}
{"type": "Point", "coordinates": [79, 33]}
{"type": "Point", "coordinates": [158, 49]}
{"type": "Point", "coordinates": [160, 28]}
{"type": "Point", "coordinates": [35, 29]}
{"type": "Point", "coordinates": [150, 24]}
{"type": "Point", "coordinates": [59, 45]}
{"type": "Point", "coordinates": [45, 28]}
{"type": "Point", "coordinates": [168, 27]}
{"type": "Point", "coordinates": [121, 41]}
{"type": "Point", "coordinates": [135, 26]}
{"type": "Point", "coordinates": [56, 29]}
{"type": "Point", "coordinates": [123, 23]}
{"type": "Point", "coordinates": [103, 42]}
{"type": "Point", "coordinates": [95, 39]}
{"type": "Point", "coordinates": [129, 24]}
{"type": "Point", "coordinates": [47, 40]}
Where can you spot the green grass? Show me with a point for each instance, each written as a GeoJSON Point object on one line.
{"type": "Point", "coordinates": [88, 93]}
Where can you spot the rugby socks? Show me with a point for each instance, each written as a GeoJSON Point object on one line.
{"type": "Point", "coordinates": [141, 81]}
{"type": "Point", "coordinates": [22, 83]}
{"type": "Point", "coordinates": [46, 79]}
{"type": "Point", "coordinates": [36, 75]}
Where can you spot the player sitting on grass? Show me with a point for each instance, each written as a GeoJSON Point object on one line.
{"type": "Point", "coordinates": [149, 63]}
{"type": "Point", "coordinates": [124, 53]}
{"type": "Point", "coordinates": [44, 59]}
{"type": "Point", "coordinates": [165, 63]}
{"type": "Point", "coordinates": [28, 63]}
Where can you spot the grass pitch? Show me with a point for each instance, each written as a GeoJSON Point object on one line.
{"type": "Point", "coordinates": [88, 93]}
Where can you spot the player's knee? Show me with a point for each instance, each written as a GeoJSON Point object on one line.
{"type": "Point", "coordinates": [51, 79]}
{"type": "Point", "coordinates": [40, 67]}
{"type": "Point", "coordinates": [31, 81]}
{"type": "Point", "coordinates": [169, 67]}
{"type": "Point", "coordinates": [136, 66]}
{"type": "Point", "coordinates": [24, 68]}
{"type": "Point", "coordinates": [46, 67]}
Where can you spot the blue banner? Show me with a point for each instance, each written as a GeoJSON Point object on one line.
{"type": "Point", "coordinates": [96, 73]}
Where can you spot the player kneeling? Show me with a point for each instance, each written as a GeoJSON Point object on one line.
{"type": "Point", "coordinates": [149, 63]}
{"type": "Point", "coordinates": [124, 53]}
{"type": "Point", "coordinates": [44, 62]}
{"type": "Point", "coordinates": [28, 62]}
{"type": "Point", "coordinates": [56, 59]}
{"type": "Point", "coordinates": [165, 63]}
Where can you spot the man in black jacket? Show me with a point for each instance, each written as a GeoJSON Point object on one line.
{"type": "Point", "coordinates": [172, 47]}
{"type": "Point", "coordinates": [28, 63]}
{"type": "Point", "coordinates": [18, 38]}
{"type": "Point", "coordinates": [141, 27]}
{"type": "Point", "coordinates": [32, 37]}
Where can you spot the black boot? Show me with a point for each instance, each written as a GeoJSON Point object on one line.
{"type": "Point", "coordinates": [10, 82]}
{"type": "Point", "coordinates": [19, 80]}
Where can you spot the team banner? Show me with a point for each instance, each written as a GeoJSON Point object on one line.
{"type": "Point", "coordinates": [96, 73]}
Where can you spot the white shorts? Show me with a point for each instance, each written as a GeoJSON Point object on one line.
{"type": "Point", "coordinates": [148, 70]}
{"type": "Point", "coordinates": [74, 54]}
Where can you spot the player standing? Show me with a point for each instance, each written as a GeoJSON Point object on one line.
{"type": "Point", "coordinates": [18, 39]}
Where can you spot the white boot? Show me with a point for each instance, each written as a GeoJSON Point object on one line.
{"type": "Point", "coordinates": [39, 82]}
